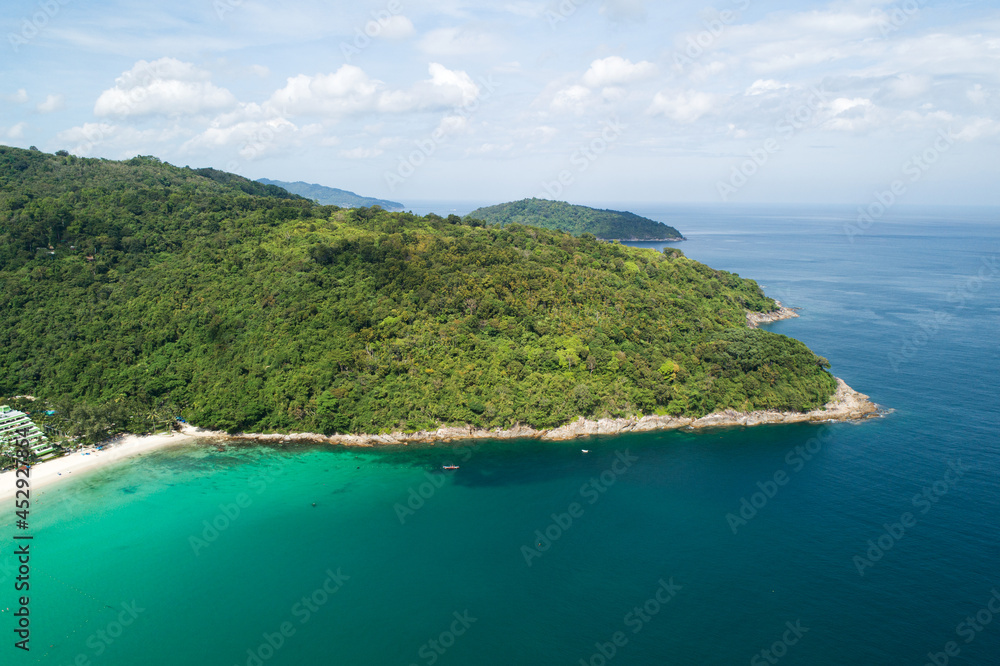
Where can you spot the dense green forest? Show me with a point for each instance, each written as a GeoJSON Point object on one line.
{"type": "Point", "coordinates": [136, 290]}
{"type": "Point", "coordinates": [576, 220]}
{"type": "Point", "coordinates": [331, 196]}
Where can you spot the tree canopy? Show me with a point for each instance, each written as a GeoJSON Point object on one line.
{"type": "Point", "coordinates": [158, 290]}
{"type": "Point", "coordinates": [577, 220]}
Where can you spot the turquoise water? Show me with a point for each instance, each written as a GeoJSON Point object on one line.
{"type": "Point", "coordinates": [908, 313]}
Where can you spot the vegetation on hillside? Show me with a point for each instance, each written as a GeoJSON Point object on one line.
{"type": "Point", "coordinates": [576, 220]}
{"type": "Point", "coordinates": [332, 196]}
{"type": "Point", "coordinates": [137, 290]}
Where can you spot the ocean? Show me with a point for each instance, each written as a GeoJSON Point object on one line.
{"type": "Point", "coordinates": [845, 543]}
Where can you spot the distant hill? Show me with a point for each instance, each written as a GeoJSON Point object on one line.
{"type": "Point", "coordinates": [331, 196]}
{"type": "Point", "coordinates": [577, 220]}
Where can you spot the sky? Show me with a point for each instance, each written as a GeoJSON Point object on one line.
{"type": "Point", "coordinates": [743, 101]}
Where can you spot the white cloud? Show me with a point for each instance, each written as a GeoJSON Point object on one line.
{"type": "Point", "coordinates": [448, 83]}
{"type": "Point", "coordinates": [977, 95]}
{"type": "Point", "coordinates": [906, 86]}
{"type": "Point", "coordinates": [615, 71]}
{"type": "Point", "coordinates": [166, 87]}
{"type": "Point", "coordinates": [526, 9]}
{"type": "Point", "coordinates": [250, 139]}
{"type": "Point", "coordinates": [489, 148]}
{"type": "Point", "coordinates": [85, 137]}
{"type": "Point", "coordinates": [360, 153]}
{"type": "Point", "coordinates": [537, 135]}
{"type": "Point", "coordinates": [684, 106]}
{"type": "Point", "coordinates": [452, 125]}
{"type": "Point", "coordinates": [17, 131]}
{"type": "Point", "coordinates": [457, 42]}
{"type": "Point", "coordinates": [104, 139]}
{"type": "Point", "coordinates": [613, 94]}
{"type": "Point", "coordinates": [395, 27]}
{"type": "Point", "coordinates": [52, 103]}
{"type": "Point", "coordinates": [700, 72]}
{"type": "Point", "coordinates": [348, 90]}
{"type": "Point", "coordinates": [446, 88]}
{"type": "Point", "coordinates": [20, 97]}
{"type": "Point", "coordinates": [850, 114]}
{"type": "Point", "coordinates": [624, 10]}
{"type": "Point", "coordinates": [978, 128]}
{"type": "Point", "coordinates": [761, 86]}
{"type": "Point", "coordinates": [573, 99]}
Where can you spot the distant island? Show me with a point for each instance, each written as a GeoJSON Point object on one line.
{"type": "Point", "coordinates": [136, 292]}
{"type": "Point", "coordinates": [331, 196]}
{"type": "Point", "coordinates": [577, 220]}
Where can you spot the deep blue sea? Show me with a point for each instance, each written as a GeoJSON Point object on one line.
{"type": "Point", "coordinates": [852, 543]}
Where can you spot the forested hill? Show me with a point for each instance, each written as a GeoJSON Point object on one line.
{"type": "Point", "coordinates": [605, 224]}
{"type": "Point", "coordinates": [332, 196]}
{"type": "Point", "coordinates": [136, 288]}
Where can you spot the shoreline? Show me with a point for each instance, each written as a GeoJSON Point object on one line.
{"type": "Point", "coordinates": [84, 460]}
{"type": "Point", "coordinates": [845, 405]}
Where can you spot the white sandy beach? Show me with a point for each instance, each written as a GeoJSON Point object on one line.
{"type": "Point", "coordinates": [80, 462]}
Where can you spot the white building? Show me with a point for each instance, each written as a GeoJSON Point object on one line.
{"type": "Point", "coordinates": [11, 421]}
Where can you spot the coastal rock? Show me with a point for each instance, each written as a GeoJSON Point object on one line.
{"type": "Point", "coordinates": [755, 319]}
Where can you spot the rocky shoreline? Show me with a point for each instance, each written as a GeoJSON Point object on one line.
{"type": "Point", "coordinates": [755, 319]}
{"type": "Point", "coordinates": [845, 405]}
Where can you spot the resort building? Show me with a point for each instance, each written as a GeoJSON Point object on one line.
{"type": "Point", "coordinates": [11, 421]}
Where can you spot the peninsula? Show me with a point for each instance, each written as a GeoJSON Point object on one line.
{"type": "Point", "coordinates": [577, 220]}
{"type": "Point", "coordinates": [331, 196]}
{"type": "Point", "coordinates": [136, 292]}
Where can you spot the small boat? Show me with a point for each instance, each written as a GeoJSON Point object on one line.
{"type": "Point", "coordinates": [585, 450]}
{"type": "Point", "coordinates": [449, 467]}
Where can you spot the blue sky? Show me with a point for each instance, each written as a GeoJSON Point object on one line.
{"type": "Point", "coordinates": [742, 101]}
